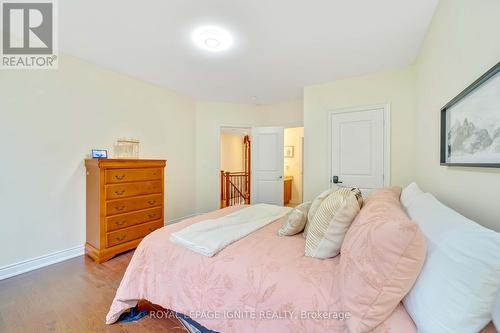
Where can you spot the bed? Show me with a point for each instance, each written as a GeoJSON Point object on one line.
{"type": "Point", "coordinates": [262, 283]}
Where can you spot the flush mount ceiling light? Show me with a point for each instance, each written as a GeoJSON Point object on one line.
{"type": "Point", "coordinates": [212, 38]}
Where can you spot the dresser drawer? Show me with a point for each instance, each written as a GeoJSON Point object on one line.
{"type": "Point", "coordinates": [113, 176]}
{"type": "Point", "coordinates": [130, 219]}
{"type": "Point", "coordinates": [129, 234]}
{"type": "Point", "coordinates": [127, 205]}
{"type": "Point", "coordinates": [116, 191]}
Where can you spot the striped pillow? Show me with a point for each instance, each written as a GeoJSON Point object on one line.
{"type": "Point", "coordinates": [315, 205]}
{"type": "Point", "coordinates": [295, 220]}
{"type": "Point", "coordinates": [331, 222]}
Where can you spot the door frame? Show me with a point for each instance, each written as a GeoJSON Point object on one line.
{"type": "Point", "coordinates": [220, 126]}
{"type": "Point", "coordinates": [387, 136]}
{"type": "Point", "coordinates": [301, 165]}
{"type": "Point", "coordinates": [302, 169]}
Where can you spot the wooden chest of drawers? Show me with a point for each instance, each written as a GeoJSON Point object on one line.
{"type": "Point", "coordinates": [125, 201]}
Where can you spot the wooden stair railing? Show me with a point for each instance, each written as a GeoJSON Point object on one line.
{"type": "Point", "coordinates": [234, 188]}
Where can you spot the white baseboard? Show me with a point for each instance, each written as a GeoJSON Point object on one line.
{"type": "Point", "coordinates": [39, 262]}
{"type": "Point", "coordinates": [53, 258]}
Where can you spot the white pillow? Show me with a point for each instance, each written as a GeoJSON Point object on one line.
{"type": "Point", "coordinates": [295, 220]}
{"type": "Point", "coordinates": [460, 279]}
{"type": "Point", "coordinates": [496, 312]}
{"type": "Point", "coordinates": [409, 193]}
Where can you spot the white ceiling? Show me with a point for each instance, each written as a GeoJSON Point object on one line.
{"type": "Point", "coordinates": [280, 45]}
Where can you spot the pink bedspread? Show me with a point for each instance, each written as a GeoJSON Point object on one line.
{"type": "Point", "coordinates": [262, 283]}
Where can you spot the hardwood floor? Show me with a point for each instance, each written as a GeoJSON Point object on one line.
{"type": "Point", "coordinates": [72, 296]}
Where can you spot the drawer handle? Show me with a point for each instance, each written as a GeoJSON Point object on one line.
{"type": "Point", "coordinates": [121, 222]}
{"type": "Point", "coordinates": [120, 238]}
{"type": "Point", "coordinates": [120, 177]}
{"type": "Point", "coordinates": [151, 215]}
{"type": "Point", "coordinates": [151, 202]}
{"type": "Point", "coordinates": [120, 192]}
{"type": "Point", "coordinates": [120, 208]}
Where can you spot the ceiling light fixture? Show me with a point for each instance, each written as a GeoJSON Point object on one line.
{"type": "Point", "coordinates": [212, 38]}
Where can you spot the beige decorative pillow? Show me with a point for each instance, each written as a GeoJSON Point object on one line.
{"type": "Point", "coordinates": [295, 220]}
{"type": "Point", "coordinates": [315, 205]}
{"type": "Point", "coordinates": [331, 222]}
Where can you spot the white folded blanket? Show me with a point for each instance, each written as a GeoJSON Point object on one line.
{"type": "Point", "coordinates": [211, 236]}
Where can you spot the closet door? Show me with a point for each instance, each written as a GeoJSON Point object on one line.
{"type": "Point", "coordinates": [358, 148]}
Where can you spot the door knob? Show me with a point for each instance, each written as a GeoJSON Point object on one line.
{"type": "Point", "coordinates": [335, 180]}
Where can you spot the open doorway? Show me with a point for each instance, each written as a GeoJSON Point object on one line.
{"type": "Point", "coordinates": [293, 166]}
{"type": "Point", "coordinates": [235, 152]}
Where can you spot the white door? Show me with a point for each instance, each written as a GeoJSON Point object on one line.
{"type": "Point", "coordinates": [267, 165]}
{"type": "Point", "coordinates": [358, 152]}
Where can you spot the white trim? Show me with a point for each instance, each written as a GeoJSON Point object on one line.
{"type": "Point", "coordinates": [387, 145]}
{"type": "Point", "coordinates": [249, 127]}
{"type": "Point", "coordinates": [55, 257]}
{"type": "Point", "coordinates": [219, 131]}
{"type": "Point", "coordinates": [39, 262]}
{"type": "Point", "coordinates": [387, 137]}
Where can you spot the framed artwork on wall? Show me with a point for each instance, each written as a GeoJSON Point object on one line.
{"type": "Point", "coordinates": [470, 124]}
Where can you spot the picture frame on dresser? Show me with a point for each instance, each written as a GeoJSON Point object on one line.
{"type": "Point", "coordinates": [470, 124]}
{"type": "Point", "coordinates": [99, 153]}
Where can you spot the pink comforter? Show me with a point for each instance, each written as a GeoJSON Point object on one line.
{"type": "Point", "coordinates": [262, 283]}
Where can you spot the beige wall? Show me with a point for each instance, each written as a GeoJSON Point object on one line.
{"type": "Point", "coordinates": [395, 87]}
{"type": "Point", "coordinates": [293, 166]}
{"type": "Point", "coordinates": [231, 152]}
{"type": "Point", "coordinates": [459, 47]}
{"type": "Point", "coordinates": [461, 44]}
{"type": "Point", "coordinates": [210, 116]}
{"type": "Point", "coordinates": [50, 120]}
{"type": "Point", "coordinates": [287, 114]}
